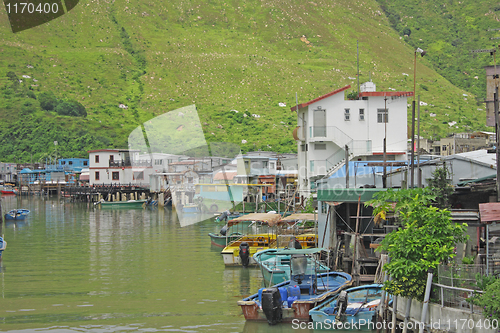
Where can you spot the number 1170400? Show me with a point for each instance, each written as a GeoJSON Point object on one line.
{"type": "Point", "coordinates": [31, 8]}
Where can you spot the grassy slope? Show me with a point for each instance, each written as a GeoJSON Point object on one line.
{"type": "Point", "coordinates": [222, 56]}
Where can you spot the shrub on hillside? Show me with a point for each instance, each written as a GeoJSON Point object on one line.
{"type": "Point", "coordinates": [48, 101]}
{"type": "Point", "coordinates": [71, 108]}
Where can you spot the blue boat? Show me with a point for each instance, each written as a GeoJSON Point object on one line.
{"type": "Point", "coordinates": [354, 307]}
{"type": "Point", "coordinates": [293, 299]}
{"type": "Point", "coordinates": [17, 214]}
{"type": "Point", "coordinates": [275, 264]}
{"type": "Point", "coordinates": [3, 245]}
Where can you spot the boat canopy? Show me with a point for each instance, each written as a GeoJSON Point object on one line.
{"type": "Point", "coordinates": [270, 219]}
{"type": "Point", "coordinates": [300, 216]}
{"type": "Point", "coordinates": [285, 251]}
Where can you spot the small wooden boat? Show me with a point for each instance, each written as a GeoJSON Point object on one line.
{"type": "Point", "coordinates": [122, 204]}
{"type": "Point", "coordinates": [229, 234]}
{"type": "Point", "coordinates": [3, 245]}
{"type": "Point", "coordinates": [275, 264]}
{"type": "Point", "coordinates": [239, 226]}
{"type": "Point", "coordinates": [352, 306]}
{"type": "Point", "coordinates": [8, 191]}
{"type": "Point", "coordinates": [17, 214]}
{"type": "Point", "coordinates": [293, 299]}
{"type": "Point", "coordinates": [241, 251]}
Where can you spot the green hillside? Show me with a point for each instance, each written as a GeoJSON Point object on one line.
{"type": "Point", "coordinates": [247, 56]}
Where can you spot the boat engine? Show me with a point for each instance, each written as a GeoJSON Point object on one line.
{"type": "Point", "coordinates": [244, 254]}
{"type": "Point", "coordinates": [271, 305]}
{"type": "Point", "coordinates": [223, 231]}
{"type": "Point", "coordinates": [341, 307]}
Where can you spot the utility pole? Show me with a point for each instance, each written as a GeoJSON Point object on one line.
{"type": "Point", "coordinates": [419, 175]}
{"type": "Point", "coordinates": [497, 123]}
{"type": "Point", "coordinates": [384, 176]}
{"type": "Point", "coordinates": [495, 111]}
{"type": "Point", "coordinates": [412, 162]}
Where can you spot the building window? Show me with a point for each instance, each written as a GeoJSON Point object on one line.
{"type": "Point", "coordinates": [303, 147]}
{"type": "Point", "coordinates": [347, 115]}
{"type": "Point", "coordinates": [139, 175]}
{"type": "Point", "coordinates": [311, 166]}
{"type": "Point", "coordinates": [70, 162]}
{"type": "Point", "coordinates": [444, 148]}
{"type": "Point", "coordinates": [85, 163]}
{"type": "Point", "coordinates": [97, 175]}
{"type": "Point", "coordinates": [116, 175]}
{"type": "Point", "coordinates": [382, 115]}
{"type": "Point", "coordinates": [190, 180]}
{"type": "Point", "coordinates": [264, 164]}
{"type": "Point", "coordinates": [320, 146]}
{"type": "Point", "coordinates": [63, 162]}
{"type": "Point", "coordinates": [111, 158]}
{"type": "Point", "coordinates": [361, 114]}
{"type": "Point", "coordinates": [97, 158]}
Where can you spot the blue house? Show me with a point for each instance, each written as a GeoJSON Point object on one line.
{"type": "Point", "coordinates": [70, 165]}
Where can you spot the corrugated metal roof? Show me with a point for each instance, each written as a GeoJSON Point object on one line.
{"type": "Point", "coordinates": [348, 194]}
{"type": "Point", "coordinates": [489, 212]}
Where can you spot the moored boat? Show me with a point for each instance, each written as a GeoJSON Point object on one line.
{"type": "Point", "coordinates": [7, 190]}
{"type": "Point", "coordinates": [240, 226]}
{"type": "Point", "coordinates": [275, 264]}
{"type": "Point", "coordinates": [353, 307]}
{"type": "Point", "coordinates": [229, 234]}
{"type": "Point", "coordinates": [3, 245]}
{"type": "Point", "coordinates": [241, 251]}
{"type": "Point", "coordinates": [122, 204]}
{"type": "Point", "coordinates": [293, 299]}
{"type": "Point", "coordinates": [17, 214]}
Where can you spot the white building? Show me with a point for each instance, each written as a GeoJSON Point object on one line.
{"type": "Point", "coordinates": [327, 124]}
{"type": "Point", "coordinates": [118, 166]}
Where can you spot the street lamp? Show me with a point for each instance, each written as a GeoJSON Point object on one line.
{"type": "Point", "coordinates": [422, 53]}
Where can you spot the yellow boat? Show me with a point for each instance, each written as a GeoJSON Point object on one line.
{"type": "Point", "coordinates": [241, 251]}
{"type": "Point", "coordinates": [255, 243]}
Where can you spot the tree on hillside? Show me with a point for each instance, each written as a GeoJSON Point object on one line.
{"type": "Point", "coordinates": [48, 101]}
{"type": "Point", "coordinates": [13, 77]}
{"type": "Point", "coordinates": [71, 108]}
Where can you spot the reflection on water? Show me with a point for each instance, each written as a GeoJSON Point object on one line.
{"type": "Point", "coordinates": [70, 268]}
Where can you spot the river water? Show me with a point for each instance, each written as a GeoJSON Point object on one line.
{"type": "Point", "coordinates": [72, 268]}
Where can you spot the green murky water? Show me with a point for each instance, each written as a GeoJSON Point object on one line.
{"type": "Point", "coordinates": [71, 268]}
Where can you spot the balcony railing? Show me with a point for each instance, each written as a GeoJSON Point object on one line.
{"type": "Point", "coordinates": [128, 163]}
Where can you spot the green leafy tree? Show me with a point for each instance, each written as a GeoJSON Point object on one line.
{"type": "Point", "coordinates": [48, 101]}
{"type": "Point", "coordinates": [441, 186]}
{"type": "Point", "coordinates": [71, 108]}
{"type": "Point", "coordinates": [489, 301]}
{"type": "Point", "coordinates": [426, 238]}
{"type": "Point", "coordinates": [309, 208]}
{"type": "Point", "coordinates": [352, 95]}
{"type": "Point", "coordinates": [14, 79]}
